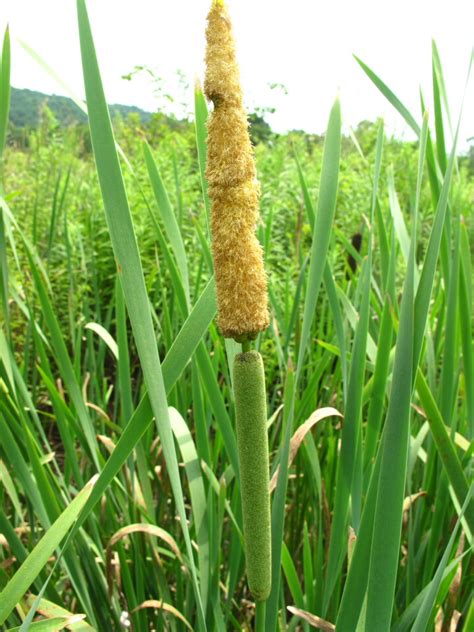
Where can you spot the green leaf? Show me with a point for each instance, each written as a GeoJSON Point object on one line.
{"type": "Point", "coordinates": [350, 445]}
{"type": "Point", "coordinates": [349, 464]}
{"type": "Point", "coordinates": [174, 363]}
{"type": "Point", "coordinates": [4, 94]}
{"type": "Point", "coordinates": [37, 559]}
{"type": "Point", "coordinates": [129, 267]}
{"type": "Point", "coordinates": [445, 447]}
{"type": "Point", "coordinates": [390, 96]}
{"type": "Point", "coordinates": [4, 114]}
{"type": "Point", "coordinates": [197, 493]}
{"type": "Point", "coordinates": [322, 225]}
{"type": "Point", "coordinates": [49, 625]}
{"type": "Point", "coordinates": [438, 111]}
{"type": "Point", "coordinates": [425, 286]}
{"type": "Point", "coordinates": [105, 336]}
{"type": "Point", "coordinates": [169, 220]}
{"type": "Point", "coordinates": [398, 220]}
{"type": "Point", "coordinates": [63, 360]}
{"type": "Point", "coordinates": [388, 513]}
{"type": "Point", "coordinates": [428, 602]}
{"type": "Point", "coordinates": [292, 577]}
{"type": "Point", "coordinates": [404, 623]}
{"type": "Point", "coordinates": [465, 312]}
{"type": "Point", "coordinates": [279, 498]}
{"type": "Point", "coordinates": [200, 120]}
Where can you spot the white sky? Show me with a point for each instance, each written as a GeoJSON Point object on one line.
{"type": "Point", "coordinates": [306, 45]}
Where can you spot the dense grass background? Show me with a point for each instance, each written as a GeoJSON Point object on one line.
{"type": "Point", "coordinates": [387, 345]}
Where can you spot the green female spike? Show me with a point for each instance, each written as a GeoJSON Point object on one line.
{"type": "Point", "coordinates": [252, 443]}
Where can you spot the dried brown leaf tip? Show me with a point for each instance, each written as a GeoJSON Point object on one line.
{"type": "Point", "coordinates": [233, 189]}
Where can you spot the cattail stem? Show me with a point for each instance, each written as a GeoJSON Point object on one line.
{"type": "Point", "coordinates": [260, 611]}
{"type": "Point", "coordinates": [252, 444]}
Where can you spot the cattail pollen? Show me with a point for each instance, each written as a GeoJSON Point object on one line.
{"type": "Point", "coordinates": [233, 189]}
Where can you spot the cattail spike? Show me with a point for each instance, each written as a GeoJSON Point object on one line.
{"type": "Point", "coordinates": [233, 189]}
{"type": "Point", "coordinates": [252, 443]}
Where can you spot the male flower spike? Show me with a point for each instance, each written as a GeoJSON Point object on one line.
{"type": "Point", "coordinates": [233, 189]}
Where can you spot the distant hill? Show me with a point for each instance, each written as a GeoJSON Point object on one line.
{"type": "Point", "coordinates": [26, 105]}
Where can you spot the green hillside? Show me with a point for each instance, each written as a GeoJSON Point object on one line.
{"type": "Point", "coordinates": [26, 107]}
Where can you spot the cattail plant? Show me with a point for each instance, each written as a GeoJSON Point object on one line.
{"type": "Point", "coordinates": [241, 285]}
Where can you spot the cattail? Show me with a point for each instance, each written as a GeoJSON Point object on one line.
{"type": "Point", "coordinates": [241, 284]}
{"type": "Point", "coordinates": [252, 443]}
{"type": "Point", "coordinates": [233, 189]}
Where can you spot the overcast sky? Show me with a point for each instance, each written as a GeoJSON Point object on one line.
{"type": "Point", "coordinates": [305, 45]}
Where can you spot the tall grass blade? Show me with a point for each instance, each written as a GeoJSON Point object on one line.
{"type": "Point", "coordinates": [64, 361]}
{"type": "Point", "coordinates": [390, 96]}
{"type": "Point", "coordinates": [349, 465]}
{"type": "Point", "coordinates": [322, 226]}
{"type": "Point", "coordinates": [200, 120]}
{"type": "Point", "coordinates": [198, 496]}
{"type": "Point", "coordinates": [445, 447]}
{"type": "Point", "coordinates": [423, 293]}
{"type": "Point", "coordinates": [169, 220]}
{"type": "Point", "coordinates": [36, 560]}
{"type": "Point", "coordinates": [4, 95]}
{"type": "Point", "coordinates": [129, 266]}
{"type": "Point", "coordinates": [394, 451]}
{"type": "Point", "coordinates": [278, 505]}
{"type": "Point", "coordinates": [4, 116]}
{"type": "Point", "coordinates": [428, 602]}
{"type": "Point", "coordinates": [465, 313]}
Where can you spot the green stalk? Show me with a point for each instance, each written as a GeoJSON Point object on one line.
{"type": "Point", "coordinates": [252, 444]}
{"type": "Point", "coordinates": [260, 609]}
